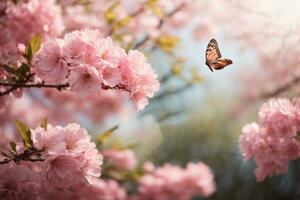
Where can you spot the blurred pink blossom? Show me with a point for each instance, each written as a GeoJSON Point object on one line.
{"type": "Point", "coordinates": [173, 182]}
{"type": "Point", "coordinates": [25, 20]}
{"type": "Point", "coordinates": [120, 159]}
{"type": "Point", "coordinates": [19, 183]}
{"type": "Point", "coordinates": [274, 141]}
{"type": "Point", "coordinates": [102, 189]}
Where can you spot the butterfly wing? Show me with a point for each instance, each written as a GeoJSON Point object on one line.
{"type": "Point", "coordinates": [220, 63]}
{"type": "Point", "coordinates": [212, 53]}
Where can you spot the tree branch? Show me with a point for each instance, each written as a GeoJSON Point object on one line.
{"type": "Point", "coordinates": [172, 92]}
{"type": "Point", "coordinates": [15, 86]}
{"type": "Point", "coordinates": [281, 89]}
{"type": "Point", "coordinates": [25, 156]}
{"type": "Point", "coordinates": [161, 22]}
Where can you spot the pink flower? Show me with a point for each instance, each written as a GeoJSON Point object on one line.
{"type": "Point", "coordinates": [85, 80]}
{"type": "Point", "coordinates": [139, 78]}
{"type": "Point", "coordinates": [173, 182]}
{"type": "Point", "coordinates": [102, 189]}
{"type": "Point", "coordinates": [64, 147]}
{"type": "Point", "coordinates": [18, 183]}
{"type": "Point", "coordinates": [51, 140]}
{"type": "Point", "coordinates": [279, 115]}
{"type": "Point", "coordinates": [50, 63]}
{"type": "Point", "coordinates": [92, 63]}
{"type": "Point", "coordinates": [76, 138]}
{"type": "Point", "coordinates": [110, 53]}
{"type": "Point", "coordinates": [273, 142]}
{"type": "Point", "coordinates": [81, 48]}
{"type": "Point", "coordinates": [201, 178]}
{"type": "Point", "coordinates": [27, 19]}
{"type": "Point", "coordinates": [249, 139]}
{"type": "Point", "coordinates": [120, 159]}
{"type": "Point", "coordinates": [62, 171]}
{"type": "Point", "coordinates": [111, 56]}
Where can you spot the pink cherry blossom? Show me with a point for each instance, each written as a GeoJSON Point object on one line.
{"type": "Point", "coordinates": [173, 182]}
{"type": "Point", "coordinates": [62, 171]}
{"type": "Point", "coordinates": [50, 63]}
{"type": "Point", "coordinates": [120, 159]}
{"type": "Point", "coordinates": [85, 80]}
{"type": "Point", "coordinates": [39, 17]}
{"type": "Point", "coordinates": [65, 147]}
{"type": "Point", "coordinates": [18, 183]}
{"type": "Point", "coordinates": [51, 140]}
{"type": "Point", "coordinates": [139, 78]}
{"type": "Point", "coordinates": [88, 63]}
{"type": "Point", "coordinates": [102, 189]}
{"type": "Point", "coordinates": [279, 115]}
{"type": "Point", "coordinates": [273, 142]}
{"type": "Point", "coordinates": [81, 47]}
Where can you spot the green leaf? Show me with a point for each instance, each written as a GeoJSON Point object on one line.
{"type": "Point", "coordinates": [35, 43]}
{"type": "Point", "coordinates": [24, 133]}
{"type": "Point", "coordinates": [33, 46]}
{"type": "Point", "coordinates": [103, 137]}
{"type": "Point", "coordinates": [44, 123]}
{"type": "Point", "coordinates": [13, 147]}
{"type": "Point", "coordinates": [22, 71]}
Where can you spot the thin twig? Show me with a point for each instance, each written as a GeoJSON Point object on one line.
{"type": "Point", "coordinates": [169, 115]}
{"type": "Point", "coordinates": [5, 161]}
{"type": "Point", "coordinates": [281, 89]}
{"type": "Point", "coordinates": [134, 14]}
{"type": "Point", "coordinates": [15, 86]}
{"type": "Point", "coordinates": [161, 22]}
{"type": "Point", "coordinates": [172, 92]}
{"type": "Point", "coordinates": [25, 156]}
{"type": "Point", "coordinates": [165, 78]}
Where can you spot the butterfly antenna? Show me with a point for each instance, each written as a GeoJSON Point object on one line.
{"type": "Point", "coordinates": [210, 69]}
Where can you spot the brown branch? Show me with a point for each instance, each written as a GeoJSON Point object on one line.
{"type": "Point", "coordinates": [5, 161]}
{"type": "Point", "coordinates": [280, 89]}
{"type": "Point", "coordinates": [171, 92]}
{"type": "Point", "coordinates": [15, 86]}
{"type": "Point", "coordinates": [169, 115]}
{"type": "Point", "coordinates": [25, 156]}
{"type": "Point", "coordinates": [161, 22]}
{"type": "Point", "coordinates": [134, 14]}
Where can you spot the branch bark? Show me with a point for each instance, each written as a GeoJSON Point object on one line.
{"type": "Point", "coordinates": [15, 86]}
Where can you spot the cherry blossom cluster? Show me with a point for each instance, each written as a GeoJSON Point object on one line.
{"type": "Point", "coordinates": [143, 16]}
{"type": "Point", "coordinates": [120, 159]}
{"type": "Point", "coordinates": [273, 141]}
{"type": "Point", "coordinates": [173, 182]}
{"type": "Point", "coordinates": [21, 183]}
{"type": "Point", "coordinates": [68, 160]}
{"type": "Point", "coordinates": [69, 154]}
{"type": "Point", "coordinates": [90, 63]}
{"type": "Point", "coordinates": [36, 17]}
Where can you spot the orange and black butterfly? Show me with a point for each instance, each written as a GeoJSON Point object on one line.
{"type": "Point", "coordinates": [213, 56]}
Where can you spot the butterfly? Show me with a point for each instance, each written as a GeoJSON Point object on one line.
{"type": "Point", "coordinates": [213, 56]}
